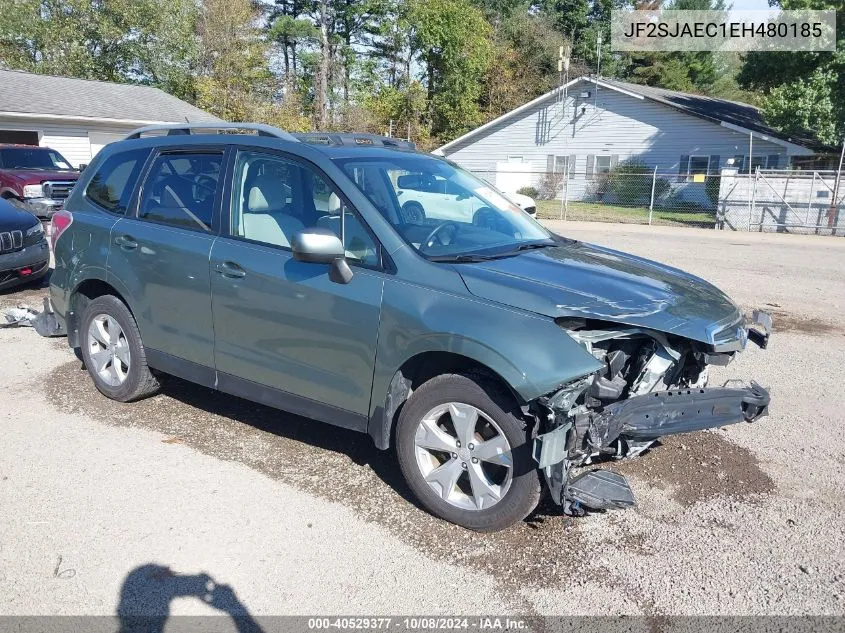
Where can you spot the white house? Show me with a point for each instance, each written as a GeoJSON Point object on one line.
{"type": "Point", "coordinates": [77, 117]}
{"type": "Point", "coordinates": [589, 125]}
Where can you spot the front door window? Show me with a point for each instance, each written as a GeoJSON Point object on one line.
{"type": "Point", "coordinates": [274, 198]}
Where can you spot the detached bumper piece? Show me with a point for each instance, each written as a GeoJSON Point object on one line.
{"type": "Point", "coordinates": [598, 490]}
{"type": "Point", "coordinates": [669, 412]}
{"type": "Point", "coordinates": [760, 329]}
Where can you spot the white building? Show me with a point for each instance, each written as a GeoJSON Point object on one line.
{"type": "Point", "coordinates": [587, 127]}
{"type": "Point", "coordinates": [77, 117]}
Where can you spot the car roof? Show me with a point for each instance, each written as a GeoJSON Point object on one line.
{"type": "Point", "coordinates": [330, 144]}
{"type": "Point", "coordinates": [22, 146]}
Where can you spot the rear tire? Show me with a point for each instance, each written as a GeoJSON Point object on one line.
{"type": "Point", "coordinates": [112, 351]}
{"type": "Point", "coordinates": [488, 481]}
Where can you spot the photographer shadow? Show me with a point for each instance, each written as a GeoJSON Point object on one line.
{"type": "Point", "coordinates": [148, 591]}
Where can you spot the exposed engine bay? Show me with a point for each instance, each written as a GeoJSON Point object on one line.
{"type": "Point", "coordinates": [652, 384]}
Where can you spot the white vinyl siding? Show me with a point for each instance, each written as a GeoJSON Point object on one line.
{"type": "Point", "coordinates": [617, 125]}
{"type": "Point", "coordinates": [77, 143]}
{"type": "Point", "coordinates": [98, 140]}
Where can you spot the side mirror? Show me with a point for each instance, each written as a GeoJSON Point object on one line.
{"type": "Point", "coordinates": [82, 167]}
{"type": "Point", "coordinates": [322, 246]}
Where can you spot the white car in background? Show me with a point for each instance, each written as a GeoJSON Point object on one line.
{"type": "Point", "coordinates": [424, 195]}
{"type": "Point", "coordinates": [525, 203]}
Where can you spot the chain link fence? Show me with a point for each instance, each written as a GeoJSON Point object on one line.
{"type": "Point", "coordinates": [810, 202]}
{"type": "Point", "coordinates": [634, 195]}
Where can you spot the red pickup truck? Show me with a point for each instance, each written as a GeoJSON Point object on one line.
{"type": "Point", "coordinates": [35, 179]}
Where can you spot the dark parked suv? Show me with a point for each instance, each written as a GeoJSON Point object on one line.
{"type": "Point", "coordinates": [24, 254]}
{"type": "Point", "coordinates": [494, 356]}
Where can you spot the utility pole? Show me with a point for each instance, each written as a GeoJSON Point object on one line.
{"type": "Point", "coordinates": [750, 192]}
{"type": "Point", "coordinates": [563, 77]}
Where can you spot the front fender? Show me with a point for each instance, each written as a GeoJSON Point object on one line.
{"type": "Point", "coordinates": [529, 352]}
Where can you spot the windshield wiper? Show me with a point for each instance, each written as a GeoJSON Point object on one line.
{"type": "Point", "coordinates": [532, 245]}
{"type": "Point", "coordinates": [468, 258]}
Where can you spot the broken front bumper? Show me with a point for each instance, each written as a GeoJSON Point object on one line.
{"type": "Point", "coordinates": [651, 416]}
{"type": "Point", "coordinates": [637, 420]}
{"type": "Point", "coordinates": [662, 413]}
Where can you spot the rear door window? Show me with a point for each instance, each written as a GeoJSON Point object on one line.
{"type": "Point", "coordinates": [112, 185]}
{"type": "Point", "coordinates": [181, 190]}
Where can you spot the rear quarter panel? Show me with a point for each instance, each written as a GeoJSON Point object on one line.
{"type": "Point", "coordinates": [81, 252]}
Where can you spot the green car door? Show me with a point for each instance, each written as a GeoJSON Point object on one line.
{"type": "Point", "coordinates": [159, 258]}
{"type": "Point", "coordinates": [285, 334]}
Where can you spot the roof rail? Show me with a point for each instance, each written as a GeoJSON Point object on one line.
{"type": "Point", "coordinates": [176, 129]}
{"type": "Point", "coordinates": [352, 138]}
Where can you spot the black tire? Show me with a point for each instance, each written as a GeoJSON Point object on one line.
{"type": "Point", "coordinates": [139, 382]}
{"type": "Point", "coordinates": [494, 400]}
{"type": "Point", "coordinates": [413, 213]}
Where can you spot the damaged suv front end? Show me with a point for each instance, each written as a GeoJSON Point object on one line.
{"type": "Point", "coordinates": [654, 332]}
{"type": "Point", "coordinates": [652, 384]}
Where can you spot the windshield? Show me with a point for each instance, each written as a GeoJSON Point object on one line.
{"type": "Point", "coordinates": [441, 210]}
{"type": "Point", "coordinates": [32, 158]}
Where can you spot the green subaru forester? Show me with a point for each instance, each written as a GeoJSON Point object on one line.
{"type": "Point", "coordinates": [497, 358]}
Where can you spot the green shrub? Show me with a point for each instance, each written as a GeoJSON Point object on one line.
{"type": "Point", "coordinates": [531, 192]}
{"type": "Point", "coordinates": [630, 183]}
{"type": "Point", "coordinates": [711, 188]}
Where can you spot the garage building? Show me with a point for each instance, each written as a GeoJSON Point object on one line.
{"type": "Point", "coordinates": [77, 117]}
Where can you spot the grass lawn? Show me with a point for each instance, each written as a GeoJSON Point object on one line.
{"type": "Point", "coordinates": [597, 212]}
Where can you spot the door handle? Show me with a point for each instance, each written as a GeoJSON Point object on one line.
{"type": "Point", "coordinates": [127, 242]}
{"type": "Point", "coordinates": [230, 270]}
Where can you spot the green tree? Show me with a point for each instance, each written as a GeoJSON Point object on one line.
{"type": "Point", "coordinates": [568, 16]}
{"type": "Point", "coordinates": [807, 104]}
{"type": "Point", "coordinates": [687, 72]}
{"type": "Point", "coordinates": [233, 79]}
{"type": "Point", "coordinates": [452, 38]}
{"type": "Point", "coordinates": [525, 63]}
{"type": "Point", "coordinates": [147, 41]}
{"type": "Point", "coordinates": [802, 91]}
{"type": "Point", "coordinates": [290, 31]}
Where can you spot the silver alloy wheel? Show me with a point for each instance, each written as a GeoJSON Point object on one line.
{"type": "Point", "coordinates": [463, 456]}
{"type": "Point", "coordinates": [108, 350]}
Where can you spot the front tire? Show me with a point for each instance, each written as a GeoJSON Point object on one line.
{"type": "Point", "coordinates": [112, 351]}
{"type": "Point", "coordinates": [413, 213]}
{"type": "Point", "coordinates": [463, 450]}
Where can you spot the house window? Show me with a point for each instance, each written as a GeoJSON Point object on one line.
{"type": "Point", "coordinates": [757, 161]}
{"type": "Point", "coordinates": [560, 165]}
{"type": "Point", "coordinates": [698, 165]}
{"type": "Point", "coordinates": [514, 159]}
{"type": "Point", "coordinates": [602, 164]}
{"type": "Point", "coordinates": [763, 162]}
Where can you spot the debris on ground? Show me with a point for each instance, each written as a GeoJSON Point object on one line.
{"type": "Point", "coordinates": [20, 316]}
{"type": "Point", "coordinates": [44, 322]}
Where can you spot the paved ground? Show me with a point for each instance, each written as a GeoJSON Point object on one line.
{"type": "Point", "coordinates": [101, 504]}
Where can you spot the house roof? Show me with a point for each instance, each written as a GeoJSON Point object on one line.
{"type": "Point", "coordinates": [739, 116]}
{"type": "Point", "coordinates": [719, 110]}
{"type": "Point", "coordinates": [32, 95]}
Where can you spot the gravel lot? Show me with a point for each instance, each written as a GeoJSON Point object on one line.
{"type": "Point", "coordinates": [299, 518]}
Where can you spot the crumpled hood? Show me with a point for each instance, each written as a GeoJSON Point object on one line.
{"type": "Point", "coordinates": [583, 280]}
